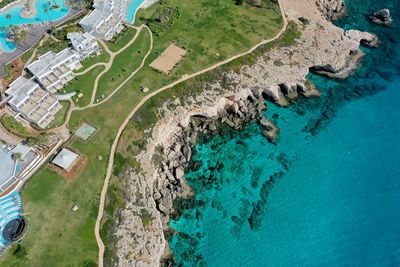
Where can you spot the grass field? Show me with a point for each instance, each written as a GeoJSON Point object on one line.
{"type": "Point", "coordinates": [210, 31]}
{"type": "Point", "coordinates": [123, 65]}
{"type": "Point", "coordinates": [122, 39]}
{"type": "Point", "coordinates": [83, 84]}
{"type": "Point", "coordinates": [60, 116]}
{"type": "Point", "coordinates": [104, 57]}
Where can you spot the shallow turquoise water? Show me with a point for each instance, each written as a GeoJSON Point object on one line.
{"type": "Point", "coordinates": [41, 16]}
{"type": "Point", "coordinates": [336, 200]}
{"type": "Point", "coordinates": [132, 9]}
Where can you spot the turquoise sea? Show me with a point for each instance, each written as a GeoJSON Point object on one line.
{"type": "Point", "coordinates": [327, 194]}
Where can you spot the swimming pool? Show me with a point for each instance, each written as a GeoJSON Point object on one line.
{"type": "Point", "coordinates": [133, 8]}
{"type": "Point", "coordinates": [41, 16]}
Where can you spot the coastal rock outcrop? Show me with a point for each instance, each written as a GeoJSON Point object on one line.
{"type": "Point", "coordinates": [382, 17]}
{"type": "Point", "coordinates": [236, 99]}
{"type": "Point", "coordinates": [331, 9]}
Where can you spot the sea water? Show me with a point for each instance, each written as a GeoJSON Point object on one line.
{"type": "Point", "coordinates": [327, 194]}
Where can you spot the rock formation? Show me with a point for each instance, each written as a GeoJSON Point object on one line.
{"type": "Point", "coordinates": [382, 17]}
{"type": "Point", "coordinates": [331, 9]}
{"type": "Point", "coordinates": [238, 98]}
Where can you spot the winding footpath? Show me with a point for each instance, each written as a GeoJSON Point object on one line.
{"type": "Point", "coordinates": [109, 64]}
{"type": "Point", "coordinates": [140, 104]}
{"type": "Point", "coordinates": [73, 108]}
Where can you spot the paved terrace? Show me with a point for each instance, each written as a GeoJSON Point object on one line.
{"type": "Point", "coordinates": [33, 35]}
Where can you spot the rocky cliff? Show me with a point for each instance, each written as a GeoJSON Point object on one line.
{"type": "Point", "coordinates": [331, 9]}
{"type": "Point", "coordinates": [277, 75]}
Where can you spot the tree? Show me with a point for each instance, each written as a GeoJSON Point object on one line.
{"type": "Point", "coordinates": [37, 140]}
{"type": "Point", "coordinates": [19, 251]}
{"type": "Point", "coordinates": [19, 35]}
{"type": "Point", "coordinates": [46, 11]}
{"type": "Point", "coordinates": [16, 156]}
{"type": "Point", "coordinates": [8, 16]}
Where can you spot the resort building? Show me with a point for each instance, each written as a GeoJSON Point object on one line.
{"type": "Point", "coordinates": [84, 43]}
{"type": "Point", "coordinates": [31, 102]}
{"type": "Point", "coordinates": [54, 70]}
{"type": "Point", "coordinates": [66, 159]}
{"type": "Point", "coordinates": [16, 162]}
{"type": "Point", "coordinates": [105, 21]}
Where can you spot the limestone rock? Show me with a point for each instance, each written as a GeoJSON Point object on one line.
{"type": "Point", "coordinates": [179, 173]}
{"type": "Point", "coordinates": [331, 9]}
{"type": "Point", "coordinates": [382, 17]}
{"type": "Point", "coordinates": [187, 152]}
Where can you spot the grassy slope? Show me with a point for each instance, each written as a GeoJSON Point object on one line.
{"type": "Point", "coordinates": [83, 84]}
{"type": "Point", "coordinates": [14, 126]}
{"type": "Point", "coordinates": [121, 40]}
{"type": "Point", "coordinates": [60, 116]}
{"type": "Point", "coordinates": [123, 65]}
{"type": "Point", "coordinates": [63, 238]}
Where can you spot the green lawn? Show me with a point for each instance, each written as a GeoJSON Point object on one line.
{"type": "Point", "coordinates": [60, 116]}
{"type": "Point", "coordinates": [124, 64]}
{"type": "Point", "coordinates": [56, 236]}
{"type": "Point", "coordinates": [104, 57]}
{"type": "Point", "coordinates": [213, 30]}
{"type": "Point", "coordinates": [122, 39]}
{"type": "Point", "coordinates": [83, 84]}
{"type": "Point", "coordinates": [14, 126]}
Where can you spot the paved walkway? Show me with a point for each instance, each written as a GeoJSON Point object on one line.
{"type": "Point", "coordinates": [139, 105]}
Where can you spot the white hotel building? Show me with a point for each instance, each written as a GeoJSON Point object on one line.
{"type": "Point", "coordinates": [84, 44]}
{"type": "Point", "coordinates": [105, 21]}
{"type": "Point", "coordinates": [53, 71]}
{"type": "Point", "coordinates": [33, 103]}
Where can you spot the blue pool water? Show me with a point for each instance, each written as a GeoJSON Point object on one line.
{"type": "Point", "coordinates": [41, 16]}
{"type": "Point", "coordinates": [327, 194]}
{"type": "Point", "coordinates": [133, 8]}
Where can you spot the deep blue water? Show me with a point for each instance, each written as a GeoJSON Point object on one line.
{"type": "Point", "coordinates": [327, 194]}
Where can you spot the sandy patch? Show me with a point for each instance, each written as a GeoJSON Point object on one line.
{"type": "Point", "coordinates": [168, 59]}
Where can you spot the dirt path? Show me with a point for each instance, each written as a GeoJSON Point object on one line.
{"type": "Point", "coordinates": [90, 68]}
{"type": "Point", "coordinates": [73, 108]}
{"type": "Point", "coordinates": [108, 65]}
{"type": "Point", "coordinates": [139, 105]}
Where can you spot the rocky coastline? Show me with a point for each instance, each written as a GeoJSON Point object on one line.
{"type": "Point", "coordinates": [234, 101]}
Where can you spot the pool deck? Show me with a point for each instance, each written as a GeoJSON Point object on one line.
{"type": "Point", "coordinates": [33, 35]}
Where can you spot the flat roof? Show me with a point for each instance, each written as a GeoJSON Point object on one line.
{"type": "Point", "coordinates": [48, 61]}
{"type": "Point", "coordinates": [7, 165]}
{"type": "Point", "coordinates": [20, 89]}
{"type": "Point", "coordinates": [65, 158]}
{"type": "Point", "coordinates": [168, 59]}
{"type": "Point", "coordinates": [78, 38]}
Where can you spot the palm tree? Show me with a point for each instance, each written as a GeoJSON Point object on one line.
{"type": "Point", "coordinates": [16, 156]}
{"type": "Point", "coordinates": [8, 16]}
{"type": "Point", "coordinates": [11, 33]}
{"type": "Point", "coordinates": [46, 11]}
{"type": "Point", "coordinates": [4, 29]}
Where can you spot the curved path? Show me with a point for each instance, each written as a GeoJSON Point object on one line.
{"type": "Point", "coordinates": [110, 62]}
{"type": "Point", "coordinates": [139, 105]}
{"type": "Point", "coordinates": [90, 68]}
{"type": "Point", "coordinates": [73, 108]}
{"type": "Point", "coordinates": [92, 105]}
